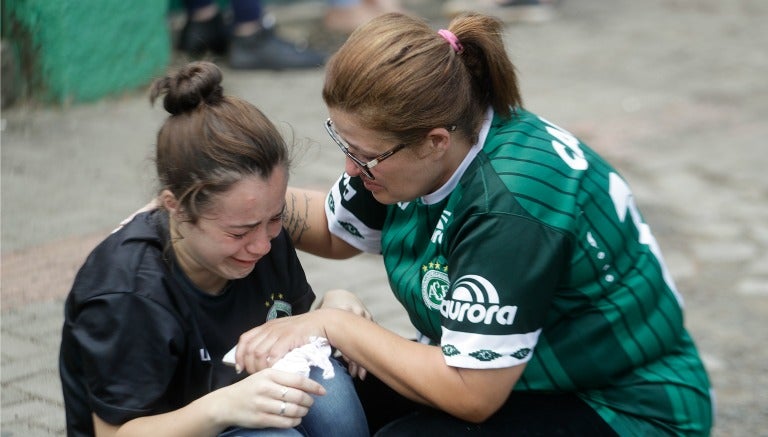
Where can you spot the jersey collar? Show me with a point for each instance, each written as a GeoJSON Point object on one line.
{"type": "Point", "coordinates": [441, 193]}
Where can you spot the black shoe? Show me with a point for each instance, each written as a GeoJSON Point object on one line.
{"type": "Point", "coordinates": [199, 37]}
{"type": "Point", "coordinates": [266, 51]}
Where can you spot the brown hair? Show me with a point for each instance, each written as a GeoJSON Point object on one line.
{"type": "Point", "coordinates": [397, 74]}
{"type": "Point", "coordinates": [210, 141]}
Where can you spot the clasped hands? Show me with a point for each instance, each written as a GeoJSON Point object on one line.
{"type": "Point", "coordinates": [260, 347]}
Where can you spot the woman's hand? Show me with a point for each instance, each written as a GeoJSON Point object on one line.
{"type": "Point", "coordinates": [153, 204]}
{"type": "Point", "coordinates": [346, 300]}
{"type": "Point", "coordinates": [269, 398]}
{"type": "Point", "coordinates": [261, 347]}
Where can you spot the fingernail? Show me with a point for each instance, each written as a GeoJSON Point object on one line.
{"type": "Point", "coordinates": [238, 369]}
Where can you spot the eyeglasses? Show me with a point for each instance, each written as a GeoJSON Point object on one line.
{"type": "Point", "coordinates": [365, 167]}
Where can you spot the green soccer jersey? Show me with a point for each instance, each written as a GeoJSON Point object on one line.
{"type": "Point", "coordinates": [535, 252]}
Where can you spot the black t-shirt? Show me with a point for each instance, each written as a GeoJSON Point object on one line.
{"type": "Point", "coordinates": [140, 339]}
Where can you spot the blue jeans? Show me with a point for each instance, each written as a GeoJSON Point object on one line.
{"type": "Point", "coordinates": [338, 413]}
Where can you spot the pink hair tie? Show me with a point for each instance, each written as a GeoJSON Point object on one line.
{"type": "Point", "coordinates": [452, 40]}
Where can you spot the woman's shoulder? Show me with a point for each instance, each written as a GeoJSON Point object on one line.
{"type": "Point", "coordinates": [522, 135]}
{"type": "Point", "coordinates": [127, 260]}
{"type": "Point", "coordinates": [529, 168]}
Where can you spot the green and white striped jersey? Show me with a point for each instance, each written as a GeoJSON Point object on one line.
{"type": "Point", "coordinates": [535, 252]}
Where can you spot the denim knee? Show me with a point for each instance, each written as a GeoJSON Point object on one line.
{"type": "Point", "coordinates": [339, 412]}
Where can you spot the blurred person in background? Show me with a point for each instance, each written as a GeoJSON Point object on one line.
{"type": "Point", "coordinates": [251, 42]}
{"type": "Point", "coordinates": [344, 16]}
{"type": "Point", "coordinates": [508, 11]}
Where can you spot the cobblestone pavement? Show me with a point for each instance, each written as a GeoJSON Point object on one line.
{"type": "Point", "coordinates": [673, 92]}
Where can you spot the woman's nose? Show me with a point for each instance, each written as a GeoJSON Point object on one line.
{"type": "Point", "coordinates": [351, 168]}
{"type": "Point", "coordinates": [260, 244]}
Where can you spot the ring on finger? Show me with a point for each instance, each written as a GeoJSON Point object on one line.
{"type": "Point", "coordinates": [282, 393]}
{"type": "Point", "coordinates": [282, 408]}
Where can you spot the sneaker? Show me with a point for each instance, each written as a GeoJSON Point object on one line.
{"type": "Point", "coordinates": [508, 11]}
{"type": "Point", "coordinates": [199, 37]}
{"type": "Point", "coordinates": [266, 51]}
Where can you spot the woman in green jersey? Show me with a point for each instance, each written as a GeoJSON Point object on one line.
{"type": "Point", "coordinates": [542, 303]}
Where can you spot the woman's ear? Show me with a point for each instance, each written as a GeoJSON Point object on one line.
{"type": "Point", "coordinates": [439, 141]}
{"type": "Point", "coordinates": [168, 201]}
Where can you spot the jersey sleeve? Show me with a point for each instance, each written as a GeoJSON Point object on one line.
{"type": "Point", "coordinates": [354, 215]}
{"type": "Point", "coordinates": [501, 289]}
{"type": "Point", "coordinates": [130, 347]}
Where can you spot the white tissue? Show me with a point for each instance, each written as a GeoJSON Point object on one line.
{"type": "Point", "coordinates": [299, 360]}
{"type": "Point", "coordinates": [315, 353]}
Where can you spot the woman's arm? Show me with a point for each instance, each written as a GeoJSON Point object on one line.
{"type": "Point", "coordinates": [193, 420]}
{"type": "Point", "coordinates": [415, 370]}
{"type": "Point", "coordinates": [307, 225]}
{"type": "Point", "coordinates": [254, 402]}
{"type": "Point", "coordinates": [347, 301]}
{"type": "Point", "coordinates": [419, 371]}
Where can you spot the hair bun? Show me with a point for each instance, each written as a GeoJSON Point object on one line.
{"type": "Point", "coordinates": [194, 84]}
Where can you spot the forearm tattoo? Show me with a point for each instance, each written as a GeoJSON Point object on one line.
{"type": "Point", "coordinates": [295, 219]}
